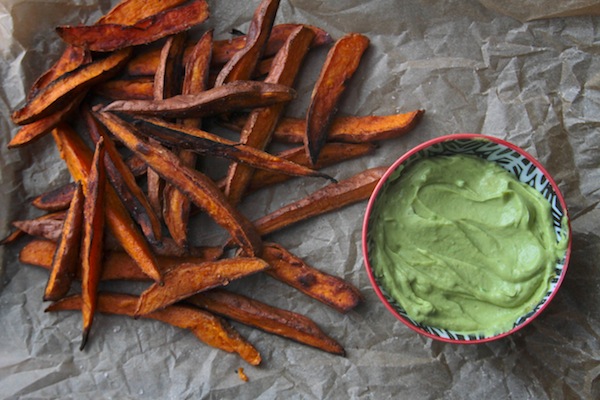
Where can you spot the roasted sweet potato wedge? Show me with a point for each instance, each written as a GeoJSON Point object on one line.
{"type": "Point", "coordinates": [201, 189]}
{"type": "Point", "coordinates": [326, 288]}
{"type": "Point", "coordinates": [332, 197]}
{"type": "Point", "coordinates": [189, 279]}
{"type": "Point", "coordinates": [230, 97]}
{"type": "Point", "coordinates": [78, 159]}
{"type": "Point", "coordinates": [65, 259]}
{"type": "Point", "coordinates": [92, 241]}
{"type": "Point", "coordinates": [242, 64]}
{"type": "Point", "coordinates": [114, 36]}
{"type": "Point", "coordinates": [261, 123]}
{"type": "Point", "coordinates": [209, 329]}
{"type": "Point", "coordinates": [349, 129]}
{"type": "Point", "coordinates": [270, 319]}
{"type": "Point", "coordinates": [340, 64]}
{"type": "Point", "coordinates": [61, 91]}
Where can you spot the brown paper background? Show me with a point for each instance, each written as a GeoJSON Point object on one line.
{"type": "Point", "coordinates": [473, 69]}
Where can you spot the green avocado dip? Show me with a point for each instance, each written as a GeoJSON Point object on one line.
{"type": "Point", "coordinates": [462, 245]}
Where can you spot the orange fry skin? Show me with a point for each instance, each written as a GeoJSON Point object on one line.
{"type": "Point", "coordinates": [349, 129]}
{"type": "Point", "coordinates": [242, 64]}
{"type": "Point", "coordinates": [112, 36]}
{"type": "Point", "coordinates": [267, 318]}
{"type": "Point", "coordinates": [78, 158]}
{"type": "Point", "coordinates": [140, 88]}
{"type": "Point", "coordinates": [332, 197]}
{"type": "Point", "coordinates": [206, 327]}
{"type": "Point", "coordinates": [92, 241]}
{"type": "Point", "coordinates": [189, 279]}
{"type": "Point", "coordinates": [340, 64]}
{"type": "Point", "coordinates": [128, 12]}
{"type": "Point", "coordinates": [66, 255]}
{"type": "Point", "coordinates": [326, 288]}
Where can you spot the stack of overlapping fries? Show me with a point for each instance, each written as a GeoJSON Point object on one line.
{"type": "Point", "coordinates": [126, 214]}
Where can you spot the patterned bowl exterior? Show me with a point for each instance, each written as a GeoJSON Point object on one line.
{"type": "Point", "coordinates": [514, 160]}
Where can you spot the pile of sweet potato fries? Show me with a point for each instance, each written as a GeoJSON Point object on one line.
{"type": "Point", "coordinates": [126, 214]}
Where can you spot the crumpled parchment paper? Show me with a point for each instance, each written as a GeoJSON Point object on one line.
{"type": "Point", "coordinates": [473, 69]}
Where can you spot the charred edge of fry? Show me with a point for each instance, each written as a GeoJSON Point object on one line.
{"type": "Point", "coordinates": [55, 200]}
{"type": "Point", "coordinates": [340, 65]}
{"type": "Point", "coordinates": [328, 289]}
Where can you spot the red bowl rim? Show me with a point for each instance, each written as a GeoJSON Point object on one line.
{"type": "Point", "coordinates": [384, 178]}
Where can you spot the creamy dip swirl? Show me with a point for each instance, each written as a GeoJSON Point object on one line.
{"type": "Point", "coordinates": [461, 244]}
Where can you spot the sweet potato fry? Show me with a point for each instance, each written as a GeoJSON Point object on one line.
{"type": "Point", "coordinates": [189, 279]}
{"type": "Point", "coordinates": [92, 241]}
{"type": "Point", "coordinates": [328, 289]}
{"type": "Point", "coordinates": [201, 189]}
{"type": "Point", "coordinates": [349, 129]}
{"type": "Point", "coordinates": [331, 153]}
{"type": "Point", "coordinates": [140, 88]}
{"type": "Point", "coordinates": [209, 329]}
{"type": "Point", "coordinates": [112, 36]}
{"type": "Point", "coordinates": [242, 64]}
{"type": "Point", "coordinates": [117, 264]}
{"type": "Point", "coordinates": [270, 319]}
{"type": "Point", "coordinates": [66, 257]}
{"type": "Point", "coordinates": [71, 58]}
{"type": "Point", "coordinates": [54, 96]}
{"type": "Point", "coordinates": [331, 197]}
{"type": "Point", "coordinates": [12, 237]}
{"type": "Point", "coordinates": [176, 205]}
{"type": "Point", "coordinates": [55, 200]}
{"type": "Point", "coordinates": [35, 130]}
{"type": "Point", "coordinates": [145, 63]}
{"type": "Point", "coordinates": [230, 97]}
{"type": "Point", "coordinates": [129, 12]}
{"type": "Point", "coordinates": [47, 226]}
{"type": "Point", "coordinates": [78, 159]}
{"type": "Point", "coordinates": [262, 121]}
{"type": "Point", "coordinates": [123, 181]}
{"type": "Point", "coordinates": [207, 143]}
{"type": "Point", "coordinates": [340, 64]}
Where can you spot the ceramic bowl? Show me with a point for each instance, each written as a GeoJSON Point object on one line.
{"type": "Point", "coordinates": [517, 162]}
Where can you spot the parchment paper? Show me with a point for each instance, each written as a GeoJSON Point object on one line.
{"type": "Point", "coordinates": [472, 69]}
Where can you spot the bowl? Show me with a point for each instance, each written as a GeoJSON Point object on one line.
{"type": "Point", "coordinates": [439, 265]}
